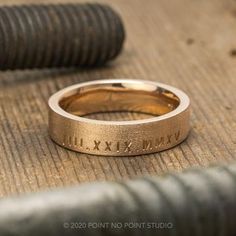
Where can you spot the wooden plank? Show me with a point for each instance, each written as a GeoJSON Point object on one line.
{"type": "Point", "coordinates": [187, 44]}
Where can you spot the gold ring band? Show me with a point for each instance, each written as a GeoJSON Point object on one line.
{"type": "Point", "coordinates": [69, 128]}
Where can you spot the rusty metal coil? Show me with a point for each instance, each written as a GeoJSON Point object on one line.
{"type": "Point", "coordinates": [198, 202]}
{"type": "Point", "coordinates": [65, 35]}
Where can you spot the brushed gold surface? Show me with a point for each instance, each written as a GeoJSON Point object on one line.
{"type": "Point", "coordinates": [70, 129]}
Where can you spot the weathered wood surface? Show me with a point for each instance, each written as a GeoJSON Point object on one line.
{"type": "Point", "coordinates": [187, 44]}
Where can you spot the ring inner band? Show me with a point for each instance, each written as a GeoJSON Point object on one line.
{"type": "Point", "coordinates": [119, 97]}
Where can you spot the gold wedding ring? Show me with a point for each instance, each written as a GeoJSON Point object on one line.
{"type": "Point", "coordinates": [168, 127]}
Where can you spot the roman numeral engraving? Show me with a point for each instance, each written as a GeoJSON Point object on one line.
{"type": "Point", "coordinates": [64, 141]}
{"type": "Point", "coordinates": [118, 147]}
{"type": "Point", "coordinates": [128, 145]}
{"type": "Point", "coordinates": [96, 145]}
{"type": "Point", "coordinates": [169, 139]}
{"type": "Point", "coordinates": [121, 146]}
{"type": "Point", "coordinates": [159, 142]}
{"type": "Point", "coordinates": [72, 141]}
{"type": "Point", "coordinates": [177, 135]}
{"type": "Point", "coordinates": [108, 146]}
{"type": "Point", "coordinates": [76, 143]}
{"type": "Point", "coordinates": [147, 145]}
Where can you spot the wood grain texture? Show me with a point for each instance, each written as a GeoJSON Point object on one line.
{"type": "Point", "coordinates": [185, 43]}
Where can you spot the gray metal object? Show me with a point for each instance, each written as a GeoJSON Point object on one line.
{"type": "Point", "coordinates": [38, 36]}
{"type": "Point", "coordinates": [197, 202]}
